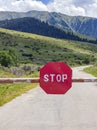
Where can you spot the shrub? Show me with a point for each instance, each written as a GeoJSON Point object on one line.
{"type": "Point", "coordinates": [8, 58]}
{"type": "Point", "coordinates": [5, 59]}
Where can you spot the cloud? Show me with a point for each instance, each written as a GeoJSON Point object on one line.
{"type": "Point", "coordinates": [22, 5]}
{"type": "Point", "coordinates": [74, 7]}
{"type": "Point", "coordinates": [91, 10]}
{"type": "Point", "coordinates": [83, 2]}
{"type": "Point", "coordinates": [66, 7]}
{"type": "Point", "coordinates": [69, 7]}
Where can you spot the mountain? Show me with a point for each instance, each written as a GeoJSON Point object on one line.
{"type": "Point", "coordinates": [36, 49]}
{"type": "Point", "coordinates": [85, 26]}
{"type": "Point", "coordinates": [78, 24]}
{"type": "Point", "coordinates": [32, 25]}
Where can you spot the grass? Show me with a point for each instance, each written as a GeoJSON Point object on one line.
{"type": "Point", "coordinates": [21, 71]}
{"type": "Point", "coordinates": [4, 74]}
{"type": "Point", "coordinates": [10, 91]}
{"type": "Point", "coordinates": [33, 75]}
{"type": "Point", "coordinates": [39, 50]}
{"type": "Point", "coordinates": [91, 70]}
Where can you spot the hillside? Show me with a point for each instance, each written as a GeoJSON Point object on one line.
{"type": "Point", "coordinates": [78, 24]}
{"type": "Point", "coordinates": [32, 25]}
{"type": "Point", "coordinates": [36, 49]}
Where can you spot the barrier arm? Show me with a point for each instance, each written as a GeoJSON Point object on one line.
{"type": "Point", "coordinates": [36, 80]}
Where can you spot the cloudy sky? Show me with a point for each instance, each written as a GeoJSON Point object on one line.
{"type": "Point", "coordinates": [69, 7]}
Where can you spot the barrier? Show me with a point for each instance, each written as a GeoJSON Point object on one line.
{"type": "Point", "coordinates": [36, 80]}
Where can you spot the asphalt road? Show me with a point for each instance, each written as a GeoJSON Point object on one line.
{"type": "Point", "coordinates": [35, 110]}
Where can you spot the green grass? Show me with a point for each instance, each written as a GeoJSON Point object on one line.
{"type": "Point", "coordinates": [39, 50]}
{"type": "Point", "coordinates": [21, 71]}
{"type": "Point", "coordinates": [91, 70]}
{"type": "Point", "coordinates": [10, 91]}
{"type": "Point", "coordinates": [4, 74]}
{"type": "Point", "coordinates": [33, 75]}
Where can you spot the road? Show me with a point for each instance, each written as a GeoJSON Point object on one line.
{"type": "Point", "coordinates": [35, 110]}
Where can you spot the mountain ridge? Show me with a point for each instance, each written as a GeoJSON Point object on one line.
{"type": "Point", "coordinates": [79, 24]}
{"type": "Point", "coordinates": [32, 25]}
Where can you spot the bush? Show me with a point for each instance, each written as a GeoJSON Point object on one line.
{"type": "Point", "coordinates": [5, 59]}
{"type": "Point", "coordinates": [8, 58]}
{"type": "Point", "coordinates": [13, 54]}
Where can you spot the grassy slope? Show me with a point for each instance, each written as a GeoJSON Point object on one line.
{"type": "Point", "coordinates": [39, 49]}
{"type": "Point", "coordinates": [10, 91]}
{"type": "Point", "coordinates": [92, 70]}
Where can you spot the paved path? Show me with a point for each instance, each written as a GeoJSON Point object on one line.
{"type": "Point", "coordinates": [35, 110]}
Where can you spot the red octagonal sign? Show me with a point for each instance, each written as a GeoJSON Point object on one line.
{"type": "Point", "coordinates": [56, 78]}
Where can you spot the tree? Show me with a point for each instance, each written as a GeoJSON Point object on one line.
{"type": "Point", "coordinates": [5, 59]}
{"type": "Point", "coordinates": [8, 58]}
{"type": "Point", "coordinates": [87, 60]}
{"type": "Point", "coordinates": [13, 54]}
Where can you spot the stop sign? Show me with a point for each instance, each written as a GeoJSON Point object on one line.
{"type": "Point", "coordinates": [56, 78]}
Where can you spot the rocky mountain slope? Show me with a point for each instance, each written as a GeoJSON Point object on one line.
{"type": "Point", "coordinates": [79, 24]}
{"type": "Point", "coordinates": [32, 25]}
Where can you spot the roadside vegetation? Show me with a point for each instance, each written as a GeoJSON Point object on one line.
{"type": "Point", "coordinates": [92, 70]}
{"type": "Point", "coordinates": [28, 70]}
{"type": "Point", "coordinates": [36, 49]}
{"type": "Point", "coordinates": [10, 91]}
